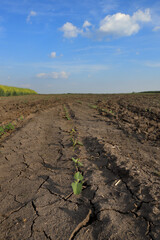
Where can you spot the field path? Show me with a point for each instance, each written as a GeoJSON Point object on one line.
{"type": "Point", "coordinates": [121, 194]}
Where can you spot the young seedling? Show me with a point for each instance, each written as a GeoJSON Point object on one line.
{"type": "Point", "coordinates": [76, 142]}
{"type": "Point", "coordinates": [21, 117]}
{"type": "Point", "coordinates": [9, 126]}
{"type": "Point", "coordinates": [80, 102]}
{"type": "Point", "coordinates": [66, 113]}
{"type": "Point", "coordinates": [93, 106]}
{"type": "Point", "coordinates": [6, 128]}
{"type": "Point", "coordinates": [107, 111]}
{"type": "Point", "coordinates": [77, 162]}
{"type": "Point", "coordinates": [67, 116]}
{"type": "Point", "coordinates": [111, 112]}
{"type": "Point", "coordinates": [104, 110]}
{"type": "Point", "coordinates": [72, 131]}
{"type": "Point", "coordinates": [1, 130]}
{"type": "Point", "coordinates": [79, 143]}
{"type": "Point", "coordinates": [77, 184]}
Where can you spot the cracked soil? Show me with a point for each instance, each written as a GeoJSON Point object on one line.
{"type": "Point", "coordinates": [120, 199]}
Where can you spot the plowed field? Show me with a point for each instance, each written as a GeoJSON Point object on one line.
{"type": "Point", "coordinates": [120, 152]}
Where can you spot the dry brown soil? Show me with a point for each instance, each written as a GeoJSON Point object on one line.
{"type": "Point", "coordinates": [121, 167]}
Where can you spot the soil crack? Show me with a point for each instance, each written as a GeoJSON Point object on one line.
{"type": "Point", "coordinates": [35, 208]}
{"type": "Point", "coordinates": [89, 219]}
{"type": "Point", "coordinates": [32, 226]}
{"type": "Point", "coordinates": [43, 183]}
{"type": "Point", "coordinates": [62, 197]}
{"type": "Point", "coordinates": [14, 211]}
{"type": "Point", "coordinates": [82, 224]}
{"type": "Point", "coordinates": [46, 235]}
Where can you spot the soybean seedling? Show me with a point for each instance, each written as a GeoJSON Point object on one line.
{"type": "Point", "coordinates": [93, 106]}
{"type": "Point", "coordinates": [9, 126]}
{"type": "Point", "coordinates": [76, 142]}
{"type": "Point", "coordinates": [104, 110]}
{"type": "Point", "coordinates": [6, 128]}
{"type": "Point", "coordinates": [1, 131]}
{"type": "Point", "coordinates": [77, 162]}
{"type": "Point", "coordinates": [80, 102]}
{"type": "Point", "coordinates": [72, 131]}
{"type": "Point", "coordinates": [77, 184]}
{"type": "Point", "coordinates": [21, 117]}
{"type": "Point", "coordinates": [66, 113]}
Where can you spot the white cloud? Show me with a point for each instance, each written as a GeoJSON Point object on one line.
{"type": "Point", "coordinates": [53, 55]}
{"type": "Point", "coordinates": [69, 30]}
{"type": "Point", "coordinates": [53, 75]}
{"type": "Point", "coordinates": [142, 16]}
{"type": "Point", "coordinates": [41, 75]}
{"type": "Point", "coordinates": [86, 24]}
{"type": "Point", "coordinates": [108, 5]}
{"type": "Point", "coordinates": [31, 14]}
{"type": "Point", "coordinates": [118, 24]}
{"type": "Point", "coordinates": [157, 28]}
{"type": "Point", "coordinates": [121, 24]}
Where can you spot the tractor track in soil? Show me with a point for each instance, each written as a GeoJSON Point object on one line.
{"type": "Point", "coordinates": [121, 196]}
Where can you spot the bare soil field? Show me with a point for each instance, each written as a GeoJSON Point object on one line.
{"type": "Point", "coordinates": [120, 152]}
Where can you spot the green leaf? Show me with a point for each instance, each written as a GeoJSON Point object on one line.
{"type": "Point", "coordinates": [2, 129]}
{"type": "Point", "coordinates": [9, 126]}
{"type": "Point", "coordinates": [77, 187]}
{"type": "Point", "coordinates": [74, 142]}
{"type": "Point", "coordinates": [79, 143]}
{"type": "Point", "coordinates": [80, 164]}
{"type": "Point", "coordinates": [74, 160]}
{"type": "Point", "coordinates": [78, 176]}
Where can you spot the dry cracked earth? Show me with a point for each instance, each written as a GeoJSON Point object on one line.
{"type": "Point", "coordinates": [120, 199]}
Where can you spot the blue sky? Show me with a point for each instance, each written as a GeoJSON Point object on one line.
{"type": "Point", "coordinates": [87, 46]}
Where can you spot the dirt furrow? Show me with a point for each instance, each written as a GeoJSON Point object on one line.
{"type": "Point", "coordinates": [131, 202]}
{"type": "Point", "coordinates": [120, 193]}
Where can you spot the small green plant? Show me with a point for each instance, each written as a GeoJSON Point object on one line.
{"type": "Point", "coordinates": [78, 183]}
{"type": "Point", "coordinates": [93, 106]}
{"type": "Point", "coordinates": [21, 117]}
{"type": "Point", "coordinates": [72, 131]}
{"type": "Point", "coordinates": [75, 142]}
{"type": "Point", "coordinates": [107, 111]}
{"type": "Point", "coordinates": [104, 110]}
{"type": "Point", "coordinates": [9, 126]}
{"type": "Point", "coordinates": [77, 162]}
{"type": "Point", "coordinates": [1, 130]}
{"type": "Point", "coordinates": [111, 112]}
{"type": "Point", "coordinates": [79, 102]}
{"type": "Point", "coordinates": [66, 113]}
{"type": "Point", "coordinates": [6, 128]}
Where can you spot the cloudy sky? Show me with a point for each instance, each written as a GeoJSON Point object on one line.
{"type": "Point", "coordinates": [87, 46]}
